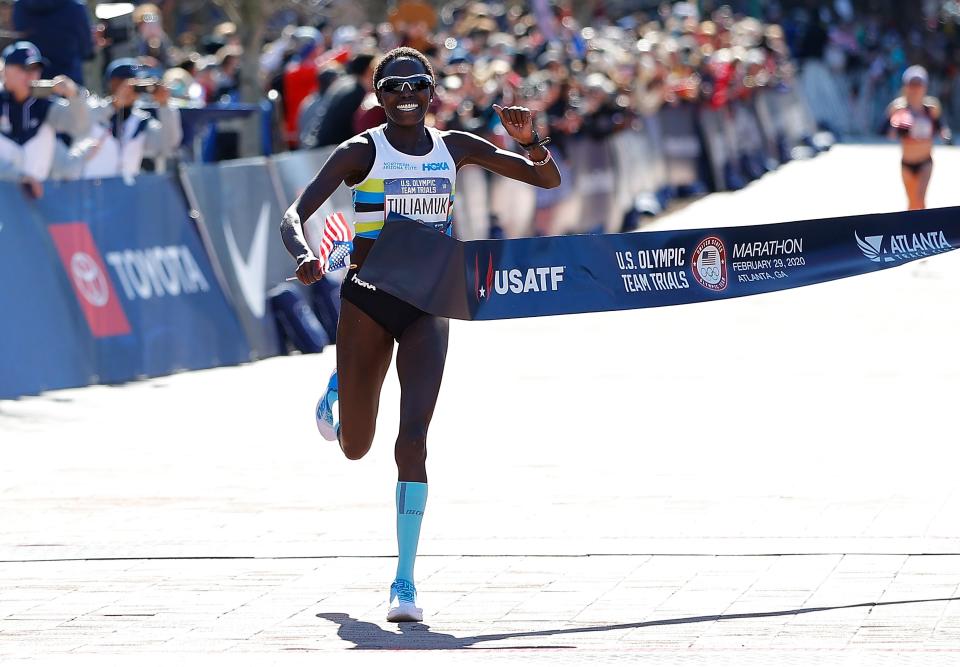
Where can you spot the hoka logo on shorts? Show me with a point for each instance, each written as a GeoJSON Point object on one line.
{"type": "Point", "coordinates": [435, 166]}
{"type": "Point", "coordinates": [514, 281]}
{"type": "Point", "coordinates": [903, 247]}
{"type": "Point", "coordinates": [362, 283]}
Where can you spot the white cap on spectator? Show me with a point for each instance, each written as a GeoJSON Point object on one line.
{"type": "Point", "coordinates": [344, 35]}
{"type": "Point", "coordinates": [683, 10]}
{"type": "Point", "coordinates": [915, 73]}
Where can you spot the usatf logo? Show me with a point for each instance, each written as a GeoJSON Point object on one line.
{"type": "Point", "coordinates": [91, 284]}
{"type": "Point", "coordinates": [435, 166]}
{"type": "Point", "coordinates": [481, 289]}
{"type": "Point", "coordinates": [709, 264]}
{"type": "Point", "coordinates": [514, 281]}
{"type": "Point", "coordinates": [903, 247]}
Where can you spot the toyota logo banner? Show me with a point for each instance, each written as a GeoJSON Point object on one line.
{"type": "Point", "coordinates": [111, 284]}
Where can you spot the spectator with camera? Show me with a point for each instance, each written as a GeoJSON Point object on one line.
{"type": "Point", "coordinates": [124, 129]}
{"type": "Point", "coordinates": [32, 112]}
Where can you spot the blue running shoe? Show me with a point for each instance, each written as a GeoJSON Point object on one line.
{"type": "Point", "coordinates": [406, 595]}
{"type": "Point", "coordinates": [327, 425]}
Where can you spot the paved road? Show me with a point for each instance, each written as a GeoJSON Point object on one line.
{"type": "Point", "coordinates": [740, 482]}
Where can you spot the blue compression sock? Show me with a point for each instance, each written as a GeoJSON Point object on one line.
{"type": "Point", "coordinates": [411, 501]}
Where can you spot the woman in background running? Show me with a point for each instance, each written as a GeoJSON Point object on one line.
{"type": "Point", "coordinates": [916, 119]}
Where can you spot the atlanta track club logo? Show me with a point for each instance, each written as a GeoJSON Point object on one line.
{"type": "Point", "coordinates": [902, 247]}
{"type": "Point", "coordinates": [709, 264]}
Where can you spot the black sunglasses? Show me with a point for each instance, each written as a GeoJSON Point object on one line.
{"type": "Point", "coordinates": [395, 84]}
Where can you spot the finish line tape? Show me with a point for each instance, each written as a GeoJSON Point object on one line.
{"type": "Point", "coordinates": [560, 275]}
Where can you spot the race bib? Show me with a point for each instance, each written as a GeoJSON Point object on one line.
{"type": "Point", "coordinates": [922, 128]}
{"type": "Point", "coordinates": [425, 200]}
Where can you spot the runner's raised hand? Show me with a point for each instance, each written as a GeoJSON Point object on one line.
{"type": "Point", "coordinates": [517, 121]}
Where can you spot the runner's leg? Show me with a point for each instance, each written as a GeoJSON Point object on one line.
{"type": "Point", "coordinates": [923, 180]}
{"type": "Point", "coordinates": [910, 186]}
{"type": "Point", "coordinates": [364, 350]}
{"type": "Point", "coordinates": [421, 356]}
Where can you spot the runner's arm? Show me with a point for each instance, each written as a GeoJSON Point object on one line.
{"type": "Point", "coordinates": [519, 124]}
{"type": "Point", "coordinates": [939, 122]}
{"type": "Point", "coordinates": [346, 164]}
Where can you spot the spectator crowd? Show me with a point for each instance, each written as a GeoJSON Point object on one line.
{"type": "Point", "coordinates": [592, 80]}
{"type": "Point", "coordinates": [583, 80]}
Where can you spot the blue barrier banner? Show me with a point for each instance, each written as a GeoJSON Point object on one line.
{"type": "Point", "coordinates": [44, 341]}
{"type": "Point", "coordinates": [239, 212]}
{"type": "Point", "coordinates": [143, 289]}
{"type": "Point", "coordinates": [502, 279]}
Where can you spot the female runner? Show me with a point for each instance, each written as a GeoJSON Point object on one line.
{"type": "Point", "coordinates": [916, 119]}
{"type": "Point", "coordinates": [399, 169]}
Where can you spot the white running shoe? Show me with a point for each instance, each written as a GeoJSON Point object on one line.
{"type": "Point", "coordinates": [326, 424]}
{"type": "Point", "coordinates": [406, 610]}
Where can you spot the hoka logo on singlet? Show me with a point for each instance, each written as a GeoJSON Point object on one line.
{"type": "Point", "coordinates": [435, 166]}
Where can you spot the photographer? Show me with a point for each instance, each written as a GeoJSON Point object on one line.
{"type": "Point", "coordinates": [124, 130]}
{"type": "Point", "coordinates": [32, 112]}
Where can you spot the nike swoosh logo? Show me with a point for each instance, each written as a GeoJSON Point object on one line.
{"type": "Point", "coordinates": [251, 270]}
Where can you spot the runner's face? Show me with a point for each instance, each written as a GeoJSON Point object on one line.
{"type": "Point", "coordinates": [18, 78]}
{"type": "Point", "coordinates": [407, 105]}
{"type": "Point", "coordinates": [123, 92]}
{"type": "Point", "coordinates": [916, 90]}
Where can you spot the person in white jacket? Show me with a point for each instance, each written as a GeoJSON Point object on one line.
{"type": "Point", "coordinates": [32, 112]}
{"type": "Point", "coordinates": [124, 132]}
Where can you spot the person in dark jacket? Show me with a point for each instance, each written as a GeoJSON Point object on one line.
{"type": "Point", "coordinates": [314, 105]}
{"type": "Point", "coordinates": [345, 96]}
{"type": "Point", "coordinates": [61, 30]}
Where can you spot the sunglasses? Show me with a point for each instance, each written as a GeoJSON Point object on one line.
{"type": "Point", "coordinates": [396, 84]}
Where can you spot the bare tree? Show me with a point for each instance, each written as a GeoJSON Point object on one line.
{"type": "Point", "coordinates": [249, 17]}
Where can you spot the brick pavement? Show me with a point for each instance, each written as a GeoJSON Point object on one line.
{"type": "Point", "coordinates": [610, 604]}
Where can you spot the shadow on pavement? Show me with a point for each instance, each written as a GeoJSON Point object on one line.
{"type": "Point", "coordinates": [418, 636]}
